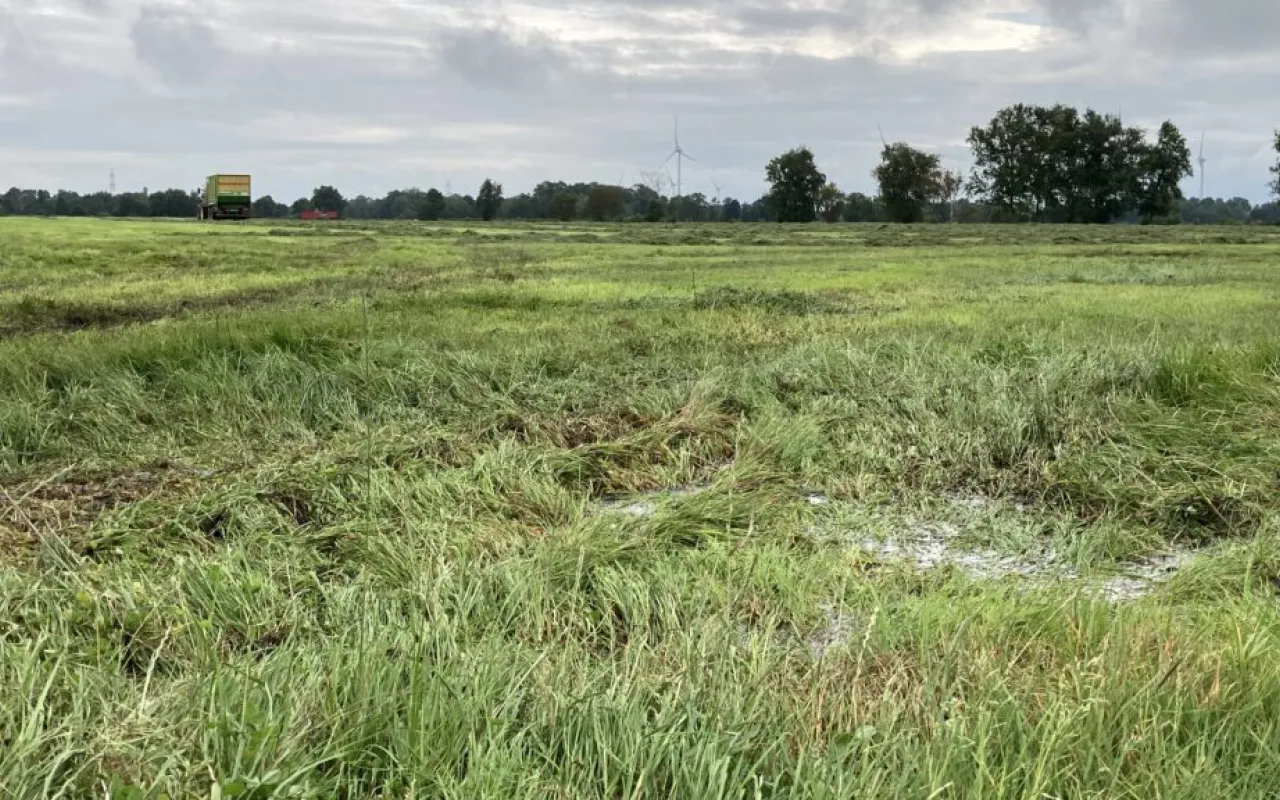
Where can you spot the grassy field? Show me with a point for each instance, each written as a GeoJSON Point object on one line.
{"type": "Point", "coordinates": [402, 510]}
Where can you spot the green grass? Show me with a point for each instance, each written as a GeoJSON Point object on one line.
{"type": "Point", "coordinates": [341, 510]}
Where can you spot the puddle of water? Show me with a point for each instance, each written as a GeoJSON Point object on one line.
{"type": "Point", "coordinates": [644, 508]}
{"type": "Point", "coordinates": [930, 545]}
{"type": "Point", "coordinates": [646, 504]}
{"type": "Point", "coordinates": [969, 502]}
{"type": "Point", "coordinates": [1124, 590]}
{"type": "Point", "coordinates": [982, 502]}
{"type": "Point", "coordinates": [1142, 577]}
{"type": "Point", "coordinates": [838, 630]}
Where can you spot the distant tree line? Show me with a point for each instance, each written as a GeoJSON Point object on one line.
{"type": "Point", "coordinates": [1054, 164]}
{"type": "Point", "coordinates": [38, 202]}
{"type": "Point", "coordinates": [570, 202]}
{"type": "Point", "coordinates": [553, 200]}
{"type": "Point", "coordinates": [1031, 163]}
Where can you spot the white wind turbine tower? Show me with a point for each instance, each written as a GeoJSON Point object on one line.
{"type": "Point", "coordinates": [1202, 163]}
{"type": "Point", "coordinates": [679, 155]}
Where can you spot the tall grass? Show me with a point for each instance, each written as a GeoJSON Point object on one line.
{"type": "Point", "coordinates": [516, 513]}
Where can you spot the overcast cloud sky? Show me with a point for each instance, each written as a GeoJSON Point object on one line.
{"type": "Point", "coordinates": [371, 95]}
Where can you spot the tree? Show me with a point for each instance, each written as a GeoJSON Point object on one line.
{"type": "Point", "coordinates": [62, 206]}
{"type": "Point", "coordinates": [543, 194]}
{"type": "Point", "coordinates": [459, 207]}
{"type": "Point", "coordinates": [830, 203]}
{"type": "Point", "coordinates": [860, 208]}
{"type": "Point", "coordinates": [689, 208]}
{"type": "Point", "coordinates": [11, 202]}
{"type": "Point", "coordinates": [950, 184]}
{"type": "Point", "coordinates": [1020, 159]}
{"type": "Point", "coordinates": [1275, 184]}
{"type": "Point", "coordinates": [562, 206]}
{"type": "Point", "coordinates": [638, 197]}
{"type": "Point", "coordinates": [731, 210]}
{"type": "Point", "coordinates": [432, 206]}
{"type": "Point", "coordinates": [522, 206]}
{"type": "Point", "coordinates": [1163, 166]}
{"type": "Point", "coordinates": [266, 207]}
{"type": "Point", "coordinates": [606, 202]}
{"type": "Point", "coordinates": [1215, 211]}
{"type": "Point", "coordinates": [397, 204]}
{"type": "Point", "coordinates": [327, 198]}
{"type": "Point", "coordinates": [1268, 214]}
{"type": "Point", "coordinates": [794, 185]}
{"type": "Point", "coordinates": [131, 204]}
{"type": "Point", "coordinates": [173, 203]}
{"type": "Point", "coordinates": [489, 199]}
{"type": "Point", "coordinates": [302, 204]}
{"type": "Point", "coordinates": [972, 212]}
{"type": "Point", "coordinates": [757, 211]}
{"type": "Point", "coordinates": [1099, 167]}
{"type": "Point", "coordinates": [1054, 164]}
{"type": "Point", "coordinates": [909, 180]}
{"type": "Point", "coordinates": [98, 204]}
{"type": "Point", "coordinates": [656, 211]}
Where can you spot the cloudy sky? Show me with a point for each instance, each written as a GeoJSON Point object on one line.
{"type": "Point", "coordinates": [377, 94]}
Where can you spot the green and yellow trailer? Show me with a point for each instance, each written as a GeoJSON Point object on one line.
{"type": "Point", "coordinates": [227, 197]}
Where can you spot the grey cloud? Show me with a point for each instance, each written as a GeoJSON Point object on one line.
{"type": "Point", "coordinates": [93, 6]}
{"type": "Point", "coordinates": [177, 44]}
{"type": "Point", "coordinates": [11, 38]}
{"type": "Point", "coordinates": [27, 67]}
{"type": "Point", "coordinates": [385, 93]}
{"type": "Point", "coordinates": [1222, 27]}
{"type": "Point", "coordinates": [763, 17]}
{"type": "Point", "coordinates": [491, 58]}
{"type": "Point", "coordinates": [1079, 15]}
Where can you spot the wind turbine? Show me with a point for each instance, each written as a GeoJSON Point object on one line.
{"type": "Point", "coordinates": [655, 181]}
{"type": "Point", "coordinates": [1202, 163]}
{"type": "Point", "coordinates": [679, 155]}
{"type": "Point", "coordinates": [713, 183]}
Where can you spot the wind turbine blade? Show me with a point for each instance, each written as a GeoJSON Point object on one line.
{"type": "Point", "coordinates": [674, 153]}
{"type": "Point", "coordinates": [686, 155]}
